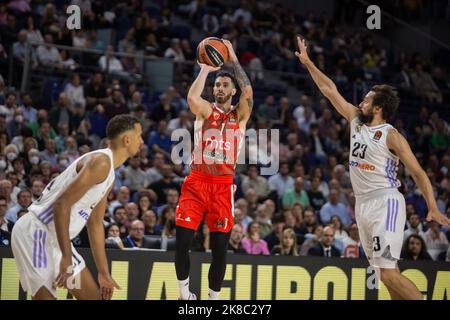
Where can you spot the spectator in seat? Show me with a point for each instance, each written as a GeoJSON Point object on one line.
{"type": "Point", "coordinates": [113, 235]}
{"type": "Point", "coordinates": [23, 202]}
{"type": "Point", "coordinates": [135, 176]}
{"type": "Point", "coordinates": [144, 202]}
{"type": "Point", "coordinates": [273, 238]}
{"type": "Point", "coordinates": [254, 181]}
{"type": "Point", "coordinates": [75, 91]}
{"type": "Point", "coordinates": [149, 219]}
{"type": "Point", "coordinates": [414, 226]}
{"type": "Point", "coordinates": [95, 91]}
{"type": "Point", "coordinates": [316, 197]}
{"type": "Point", "coordinates": [325, 247]}
{"type": "Point", "coordinates": [352, 244]}
{"type": "Point", "coordinates": [282, 181]}
{"type": "Point", "coordinates": [120, 217]}
{"type": "Point", "coordinates": [135, 239]}
{"type": "Point", "coordinates": [333, 207]}
{"type": "Point", "coordinates": [5, 225]}
{"type": "Point", "coordinates": [48, 56]}
{"type": "Point", "coordinates": [435, 240]}
{"type": "Point", "coordinates": [240, 214]}
{"type": "Point", "coordinates": [253, 244]}
{"type": "Point", "coordinates": [288, 245]}
{"type": "Point", "coordinates": [235, 242]}
{"type": "Point", "coordinates": [309, 222]}
{"type": "Point", "coordinates": [415, 248]}
{"type": "Point", "coordinates": [296, 195]}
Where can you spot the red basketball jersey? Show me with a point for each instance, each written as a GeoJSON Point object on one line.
{"type": "Point", "coordinates": [217, 142]}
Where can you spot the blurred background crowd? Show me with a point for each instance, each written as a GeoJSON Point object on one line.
{"type": "Point", "coordinates": [59, 88]}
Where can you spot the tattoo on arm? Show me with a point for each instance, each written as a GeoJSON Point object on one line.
{"type": "Point", "coordinates": [242, 80]}
{"type": "Point", "coordinates": [241, 77]}
{"type": "Point", "coordinates": [250, 102]}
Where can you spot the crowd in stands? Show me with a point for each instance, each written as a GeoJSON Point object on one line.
{"type": "Point", "coordinates": [307, 208]}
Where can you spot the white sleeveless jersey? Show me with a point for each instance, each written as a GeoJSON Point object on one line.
{"type": "Point", "coordinates": [372, 165]}
{"type": "Point", "coordinates": [81, 210]}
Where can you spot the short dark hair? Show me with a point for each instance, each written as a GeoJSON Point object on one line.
{"type": "Point", "coordinates": [10, 93]}
{"type": "Point", "coordinates": [387, 98]}
{"type": "Point", "coordinates": [278, 218]}
{"type": "Point", "coordinates": [226, 74]}
{"type": "Point", "coordinates": [24, 190]}
{"type": "Point", "coordinates": [118, 208]}
{"type": "Point", "coordinates": [120, 124]}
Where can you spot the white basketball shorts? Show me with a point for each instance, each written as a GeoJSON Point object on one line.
{"type": "Point", "coordinates": [37, 254]}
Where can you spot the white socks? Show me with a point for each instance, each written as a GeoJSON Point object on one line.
{"type": "Point", "coordinates": [184, 289]}
{"type": "Point", "coordinates": [185, 294]}
{"type": "Point", "coordinates": [213, 295]}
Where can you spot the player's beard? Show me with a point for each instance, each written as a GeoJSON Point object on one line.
{"type": "Point", "coordinates": [365, 118]}
{"type": "Point", "coordinates": [222, 98]}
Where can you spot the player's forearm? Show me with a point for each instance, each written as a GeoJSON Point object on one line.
{"type": "Point", "coordinates": [325, 84]}
{"type": "Point", "coordinates": [198, 85]}
{"type": "Point", "coordinates": [241, 77]}
{"type": "Point", "coordinates": [425, 186]}
{"type": "Point", "coordinates": [62, 221]}
{"type": "Point", "coordinates": [97, 241]}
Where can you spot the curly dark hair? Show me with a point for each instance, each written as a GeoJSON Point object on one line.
{"type": "Point", "coordinates": [387, 98]}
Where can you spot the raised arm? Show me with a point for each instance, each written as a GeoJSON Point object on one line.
{"type": "Point", "coordinates": [93, 171]}
{"type": "Point", "coordinates": [396, 142]}
{"type": "Point", "coordinates": [326, 86]}
{"type": "Point", "coordinates": [199, 106]}
{"type": "Point", "coordinates": [246, 99]}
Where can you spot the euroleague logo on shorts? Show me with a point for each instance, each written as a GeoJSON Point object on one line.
{"type": "Point", "coordinates": [362, 166]}
{"type": "Point", "coordinates": [221, 223]}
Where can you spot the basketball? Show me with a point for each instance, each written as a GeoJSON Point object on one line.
{"type": "Point", "coordinates": [212, 51]}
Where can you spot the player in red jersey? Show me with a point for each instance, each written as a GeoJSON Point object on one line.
{"type": "Point", "coordinates": [208, 191]}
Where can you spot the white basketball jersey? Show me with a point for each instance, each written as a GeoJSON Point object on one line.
{"type": "Point", "coordinates": [81, 210]}
{"type": "Point", "coordinates": [372, 165]}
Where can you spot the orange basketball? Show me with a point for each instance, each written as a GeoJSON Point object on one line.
{"type": "Point", "coordinates": [212, 51]}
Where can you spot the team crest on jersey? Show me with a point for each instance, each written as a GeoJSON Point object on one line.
{"type": "Point", "coordinates": [358, 128]}
{"type": "Point", "coordinates": [232, 118]}
{"type": "Point", "coordinates": [216, 115]}
{"type": "Point", "coordinates": [377, 135]}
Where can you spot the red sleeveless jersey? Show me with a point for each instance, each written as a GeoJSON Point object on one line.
{"type": "Point", "coordinates": [217, 142]}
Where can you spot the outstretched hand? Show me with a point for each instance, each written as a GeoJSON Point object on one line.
{"type": "Point", "coordinates": [302, 53]}
{"type": "Point", "coordinates": [437, 216]}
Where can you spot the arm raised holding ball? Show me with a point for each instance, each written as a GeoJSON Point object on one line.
{"type": "Point", "coordinates": [246, 99]}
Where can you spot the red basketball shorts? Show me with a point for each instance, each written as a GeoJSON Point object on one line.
{"type": "Point", "coordinates": [208, 196]}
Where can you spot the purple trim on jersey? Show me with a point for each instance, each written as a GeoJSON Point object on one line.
{"type": "Point", "coordinates": [395, 217]}
{"type": "Point", "coordinates": [45, 212]}
{"type": "Point", "coordinates": [391, 172]}
{"type": "Point", "coordinates": [388, 215]}
{"type": "Point", "coordinates": [48, 219]}
{"type": "Point", "coordinates": [43, 246]}
{"type": "Point", "coordinates": [393, 177]}
{"type": "Point", "coordinates": [388, 171]}
{"type": "Point", "coordinates": [34, 248]}
{"type": "Point", "coordinates": [40, 249]}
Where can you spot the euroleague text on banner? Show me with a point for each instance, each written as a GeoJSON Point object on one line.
{"type": "Point", "coordinates": [228, 147]}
